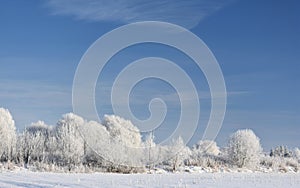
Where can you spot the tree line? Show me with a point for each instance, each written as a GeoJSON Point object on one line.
{"type": "Point", "coordinates": [116, 145]}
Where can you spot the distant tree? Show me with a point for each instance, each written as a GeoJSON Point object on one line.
{"type": "Point", "coordinates": [244, 149]}
{"type": "Point", "coordinates": [70, 143]}
{"type": "Point", "coordinates": [34, 142]}
{"type": "Point", "coordinates": [151, 151]}
{"type": "Point", "coordinates": [125, 141]}
{"type": "Point", "coordinates": [123, 130]}
{"type": "Point", "coordinates": [97, 147]}
{"type": "Point", "coordinates": [206, 147]}
{"type": "Point", "coordinates": [281, 151]}
{"type": "Point", "coordinates": [7, 135]}
{"type": "Point", "coordinates": [177, 153]}
{"type": "Point", "coordinates": [204, 152]}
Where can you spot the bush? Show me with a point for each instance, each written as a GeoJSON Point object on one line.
{"type": "Point", "coordinates": [209, 161]}
{"type": "Point", "coordinates": [279, 164]}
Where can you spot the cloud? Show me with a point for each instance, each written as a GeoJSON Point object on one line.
{"type": "Point", "coordinates": [29, 101]}
{"type": "Point", "coordinates": [185, 13]}
{"type": "Point", "coordinates": [142, 95]}
{"type": "Point", "coordinates": [34, 92]}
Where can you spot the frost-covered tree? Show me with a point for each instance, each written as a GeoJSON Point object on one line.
{"type": "Point", "coordinates": [33, 143]}
{"type": "Point", "coordinates": [152, 152]}
{"type": "Point", "coordinates": [123, 130]}
{"type": "Point", "coordinates": [149, 146]}
{"type": "Point", "coordinates": [125, 141]}
{"type": "Point", "coordinates": [70, 143]}
{"type": "Point", "coordinates": [206, 147]}
{"type": "Point", "coordinates": [7, 135]}
{"type": "Point", "coordinates": [204, 153]}
{"type": "Point", "coordinates": [97, 146]}
{"type": "Point", "coordinates": [281, 151]}
{"type": "Point", "coordinates": [244, 149]}
{"type": "Point", "coordinates": [177, 153]}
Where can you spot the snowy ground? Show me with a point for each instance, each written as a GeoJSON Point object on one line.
{"type": "Point", "coordinates": [34, 179]}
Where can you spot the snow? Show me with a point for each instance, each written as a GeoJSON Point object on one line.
{"type": "Point", "coordinates": [46, 179]}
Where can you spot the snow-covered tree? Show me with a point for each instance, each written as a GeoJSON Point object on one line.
{"type": "Point", "coordinates": [34, 142]}
{"type": "Point", "coordinates": [177, 154]}
{"type": "Point", "coordinates": [244, 149]}
{"type": "Point", "coordinates": [125, 141]}
{"type": "Point", "coordinates": [281, 151]}
{"type": "Point", "coordinates": [7, 135]}
{"type": "Point", "coordinates": [155, 154]}
{"type": "Point", "coordinates": [69, 140]}
{"type": "Point", "coordinates": [149, 144]}
{"type": "Point", "coordinates": [204, 153]}
{"type": "Point", "coordinates": [97, 146]}
{"type": "Point", "coordinates": [123, 130]}
{"type": "Point", "coordinates": [206, 147]}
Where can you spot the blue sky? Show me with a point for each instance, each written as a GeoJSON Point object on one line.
{"type": "Point", "coordinates": [256, 43]}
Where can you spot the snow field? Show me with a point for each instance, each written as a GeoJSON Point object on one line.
{"type": "Point", "coordinates": [205, 180]}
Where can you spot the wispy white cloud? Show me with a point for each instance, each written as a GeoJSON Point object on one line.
{"type": "Point", "coordinates": [30, 101]}
{"type": "Point", "coordinates": [140, 96]}
{"type": "Point", "coordinates": [185, 13]}
{"type": "Point", "coordinates": [34, 92]}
